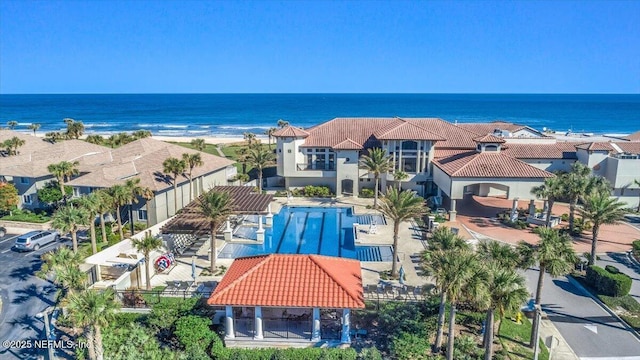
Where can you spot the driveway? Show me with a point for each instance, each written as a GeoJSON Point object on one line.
{"type": "Point", "coordinates": [23, 296]}
{"type": "Point", "coordinates": [587, 328]}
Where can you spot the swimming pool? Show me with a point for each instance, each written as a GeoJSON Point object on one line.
{"type": "Point", "coordinates": [304, 230]}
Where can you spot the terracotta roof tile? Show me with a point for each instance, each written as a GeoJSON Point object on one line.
{"type": "Point", "coordinates": [290, 131]}
{"type": "Point", "coordinates": [540, 151]}
{"type": "Point", "coordinates": [347, 144]}
{"type": "Point", "coordinates": [488, 165]}
{"type": "Point", "coordinates": [634, 137]}
{"type": "Point", "coordinates": [629, 147]}
{"type": "Point", "coordinates": [407, 131]}
{"type": "Point", "coordinates": [488, 139]}
{"type": "Point", "coordinates": [283, 280]}
{"type": "Point", "coordinates": [488, 128]}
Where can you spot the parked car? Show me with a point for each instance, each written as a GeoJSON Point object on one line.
{"type": "Point", "coordinates": [3, 231]}
{"type": "Point", "coordinates": [34, 240]}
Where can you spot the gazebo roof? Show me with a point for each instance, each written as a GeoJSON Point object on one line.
{"type": "Point", "coordinates": [291, 280]}
{"type": "Point", "coordinates": [243, 201]}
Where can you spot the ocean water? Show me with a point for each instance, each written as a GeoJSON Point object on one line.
{"type": "Point", "coordinates": [233, 114]}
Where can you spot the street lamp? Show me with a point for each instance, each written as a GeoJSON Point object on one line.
{"type": "Point", "coordinates": [45, 314]}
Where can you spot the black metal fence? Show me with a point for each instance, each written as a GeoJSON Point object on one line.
{"type": "Point", "coordinates": [141, 299]}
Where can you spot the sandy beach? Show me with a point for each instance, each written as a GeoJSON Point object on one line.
{"type": "Point", "coordinates": [207, 139]}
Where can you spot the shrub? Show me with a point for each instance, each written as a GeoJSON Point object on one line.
{"type": "Point", "coordinates": [564, 217]}
{"type": "Point", "coordinates": [194, 331]}
{"type": "Point", "coordinates": [465, 348]}
{"type": "Point", "coordinates": [371, 353]}
{"type": "Point", "coordinates": [222, 353]}
{"type": "Point", "coordinates": [607, 283]}
{"type": "Point", "coordinates": [26, 216]}
{"type": "Point", "coordinates": [636, 245]}
{"type": "Point", "coordinates": [410, 346]}
{"type": "Point", "coordinates": [317, 191]}
{"type": "Point", "coordinates": [612, 269]}
{"type": "Point", "coordinates": [367, 193]}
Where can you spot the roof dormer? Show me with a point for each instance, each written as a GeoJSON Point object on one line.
{"type": "Point", "coordinates": [488, 143]}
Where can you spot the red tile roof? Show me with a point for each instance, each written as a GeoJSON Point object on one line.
{"type": "Point", "coordinates": [283, 280]}
{"type": "Point", "coordinates": [407, 131]}
{"type": "Point", "coordinates": [595, 146]}
{"type": "Point", "coordinates": [488, 128]}
{"type": "Point", "coordinates": [290, 131]}
{"type": "Point", "coordinates": [488, 139]}
{"type": "Point", "coordinates": [347, 144]}
{"type": "Point", "coordinates": [634, 137]}
{"type": "Point", "coordinates": [488, 165]}
{"type": "Point", "coordinates": [629, 147]}
{"type": "Point", "coordinates": [562, 150]}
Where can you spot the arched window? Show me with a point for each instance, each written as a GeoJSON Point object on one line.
{"type": "Point", "coordinates": [491, 148]}
{"type": "Point", "coordinates": [409, 145]}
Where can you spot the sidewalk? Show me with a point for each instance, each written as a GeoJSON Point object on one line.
{"type": "Point", "coordinates": [560, 350]}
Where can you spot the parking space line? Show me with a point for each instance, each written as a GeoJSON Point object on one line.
{"type": "Point", "coordinates": [11, 238]}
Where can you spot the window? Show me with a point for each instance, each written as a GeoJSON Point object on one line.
{"type": "Point", "coordinates": [332, 161]}
{"type": "Point", "coordinates": [409, 165]}
{"type": "Point", "coordinates": [309, 150]}
{"type": "Point", "coordinates": [320, 160]}
{"type": "Point", "coordinates": [76, 192]}
{"type": "Point", "coordinates": [279, 150]}
{"type": "Point", "coordinates": [26, 199]}
{"type": "Point", "coordinates": [289, 151]}
{"type": "Point", "coordinates": [309, 160]}
{"type": "Point", "coordinates": [491, 148]}
{"type": "Point", "coordinates": [24, 180]}
{"type": "Point", "coordinates": [409, 145]}
{"type": "Point", "coordinates": [142, 214]}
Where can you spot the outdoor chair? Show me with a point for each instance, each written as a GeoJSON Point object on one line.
{"type": "Point", "coordinates": [389, 291]}
{"type": "Point", "coordinates": [411, 291]}
{"type": "Point", "coordinates": [403, 294]}
{"type": "Point", "coordinates": [372, 289]}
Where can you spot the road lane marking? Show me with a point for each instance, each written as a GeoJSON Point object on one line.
{"type": "Point", "coordinates": [592, 328]}
{"type": "Point", "coordinates": [6, 251]}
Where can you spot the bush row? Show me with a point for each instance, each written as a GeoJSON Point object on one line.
{"type": "Point", "coordinates": [313, 191]}
{"type": "Point", "coordinates": [608, 283]}
{"type": "Point", "coordinates": [219, 352]}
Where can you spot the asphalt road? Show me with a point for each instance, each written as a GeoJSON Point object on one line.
{"type": "Point", "coordinates": [588, 329]}
{"type": "Point", "coordinates": [23, 296]}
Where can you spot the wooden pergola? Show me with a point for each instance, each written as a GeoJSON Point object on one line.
{"type": "Point", "coordinates": [243, 201]}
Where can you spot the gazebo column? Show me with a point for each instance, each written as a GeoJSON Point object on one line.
{"type": "Point", "coordinates": [269, 217]}
{"type": "Point", "coordinates": [532, 208]}
{"type": "Point", "coordinates": [228, 233]}
{"type": "Point", "coordinates": [228, 328]}
{"type": "Point", "coordinates": [258, 323]}
{"type": "Point", "coordinates": [514, 210]}
{"type": "Point", "coordinates": [346, 318]}
{"type": "Point", "coordinates": [260, 232]}
{"type": "Point", "coordinates": [315, 330]}
{"type": "Point", "coordinates": [453, 212]}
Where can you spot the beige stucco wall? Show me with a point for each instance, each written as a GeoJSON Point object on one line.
{"type": "Point", "coordinates": [442, 180]}
{"type": "Point", "coordinates": [622, 172]}
{"type": "Point", "coordinates": [347, 169]}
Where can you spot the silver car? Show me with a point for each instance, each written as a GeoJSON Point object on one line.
{"type": "Point", "coordinates": [34, 240]}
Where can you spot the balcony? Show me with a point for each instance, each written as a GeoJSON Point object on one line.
{"type": "Point", "coordinates": [315, 166]}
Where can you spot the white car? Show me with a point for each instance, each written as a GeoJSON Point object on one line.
{"type": "Point", "coordinates": [34, 240]}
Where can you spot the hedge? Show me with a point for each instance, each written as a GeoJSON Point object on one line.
{"type": "Point", "coordinates": [224, 353]}
{"type": "Point", "coordinates": [636, 245]}
{"type": "Point", "coordinates": [607, 283]}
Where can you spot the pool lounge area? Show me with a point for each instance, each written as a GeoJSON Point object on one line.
{"type": "Point", "coordinates": [310, 230]}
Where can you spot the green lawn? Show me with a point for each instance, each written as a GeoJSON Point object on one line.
{"type": "Point", "coordinates": [515, 338]}
{"type": "Point", "coordinates": [26, 217]}
{"type": "Point", "coordinates": [208, 148]}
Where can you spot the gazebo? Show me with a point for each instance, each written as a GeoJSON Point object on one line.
{"type": "Point", "coordinates": [189, 223]}
{"type": "Point", "coordinates": [298, 300]}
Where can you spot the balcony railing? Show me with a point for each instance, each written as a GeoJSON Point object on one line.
{"type": "Point", "coordinates": [316, 166]}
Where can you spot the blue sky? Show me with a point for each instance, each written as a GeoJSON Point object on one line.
{"type": "Point", "coordinates": [264, 46]}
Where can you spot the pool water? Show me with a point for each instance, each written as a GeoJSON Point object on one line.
{"type": "Point", "coordinates": [303, 230]}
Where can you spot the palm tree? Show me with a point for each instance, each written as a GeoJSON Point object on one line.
{"type": "Point", "coordinates": [260, 158]}
{"type": "Point", "coordinates": [504, 255]}
{"type": "Point", "coordinates": [575, 184]}
{"type": "Point", "coordinates": [62, 171]}
{"type": "Point", "coordinates": [141, 134]}
{"type": "Point", "coordinates": [134, 191]}
{"type": "Point", "coordinates": [120, 195]}
{"type": "Point", "coordinates": [549, 191]}
{"type": "Point", "coordinates": [249, 137]}
{"type": "Point", "coordinates": [554, 254]}
{"type": "Point", "coordinates": [600, 209]}
{"type": "Point", "coordinates": [198, 144]}
{"type": "Point", "coordinates": [506, 293]}
{"type": "Point", "coordinates": [13, 144]}
{"type": "Point", "coordinates": [12, 124]}
{"type": "Point", "coordinates": [148, 195]}
{"type": "Point", "coordinates": [92, 311]}
{"type": "Point", "coordinates": [242, 155]}
{"type": "Point", "coordinates": [376, 163]}
{"type": "Point", "coordinates": [34, 127]}
{"type": "Point", "coordinates": [105, 205]}
{"type": "Point", "coordinates": [91, 204]}
{"type": "Point", "coordinates": [269, 134]}
{"type": "Point", "coordinates": [146, 245]}
{"type": "Point", "coordinates": [94, 139]}
{"type": "Point", "coordinates": [282, 123]}
{"type": "Point", "coordinates": [174, 167]}
{"type": "Point", "coordinates": [216, 207]}
{"type": "Point", "coordinates": [442, 241]}
{"type": "Point", "coordinates": [191, 161]}
{"type": "Point", "coordinates": [400, 176]}
{"type": "Point", "coordinates": [460, 267]}
{"type": "Point", "coordinates": [61, 257]}
{"type": "Point", "coordinates": [69, 219]}
{"type": "Point", "coordinates": [400, 206]}
{"type": "Point", "coordinates": [75, 129]}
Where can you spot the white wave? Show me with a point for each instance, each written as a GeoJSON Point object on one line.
{"type": "Point", "coordinates": [147, 125]}
{"type": "Point", "coordinates": [198, 131]}
{"type": "Point", "coordinates": [98, 125]}
{"type": "Point", "coordinates": [24, 124]}
{"type": "Point", "coordinates": [205, 126]}
{"type": "Point", "coordinates": [175, 126]}
{"type": "Point", "coordinates": [243, 127]}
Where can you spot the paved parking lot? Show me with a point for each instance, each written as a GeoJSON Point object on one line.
{"type": "Point", "coordinates": [23, 296]}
